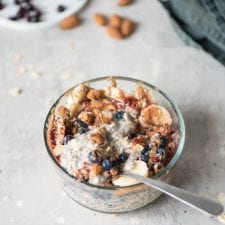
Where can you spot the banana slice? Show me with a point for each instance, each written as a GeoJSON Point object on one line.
{"type": "Point", "coordinates": [137, 167]}
{"type": "Point", "coordinates": [125, 181]}
{"type": "Point", "coordinates": [156, 115]}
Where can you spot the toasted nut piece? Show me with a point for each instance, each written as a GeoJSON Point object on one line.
{"type": "Point", "coordinates": [86, 117]}
{"type": "Point", "coordinates": [110, 107]}
{"type": "Point", "coordinates": [98, 138]}
{"type": "Point", "coordinates": [63, 111]}
{"type": "Point", "coordinates": [114, 171]}
{"type": "Point", "coordinates": [124, 2]}
{"type": "Point", "coordinates": [114, 32]}
{"type": "Point", "coordinates": [95, 94]}
{"type": "Point", "coordinates": [96, 104]}
{"type": "Point", "coordinates": [69, 22]}
{"type": "Point", "coordinates": [127, 28]}
{"type": "Point", "coordinates": [137, 148]}
{"type": "Point", "coordinates": [103, 117]}
{"type": "Point", "coordinates": [96, 170]}
{"type": "Point", "coordinates": [115, 21]}
{"type": "Point", "coordinates": [113, 81]}
{"type": "Point", "coordinates": [100, 19]}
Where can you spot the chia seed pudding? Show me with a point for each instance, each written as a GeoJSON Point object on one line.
{"type": "Point", "coordinates": [96, 134]}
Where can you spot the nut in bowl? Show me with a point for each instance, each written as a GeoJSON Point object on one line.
{"type": "Point", "coordinates": [104, 126]}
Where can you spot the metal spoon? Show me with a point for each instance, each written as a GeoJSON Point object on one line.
{"type": "Point", "coordinates": [202, 204]}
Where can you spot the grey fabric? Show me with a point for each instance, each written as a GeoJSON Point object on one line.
{"type": "Point", "coordinates": [203, 21]}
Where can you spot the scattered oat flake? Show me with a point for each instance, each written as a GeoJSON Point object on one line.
{"type": "Point", "coordinates": [221, 218]}
{"type": "Point", "coordinates": [19, 203]}
{"type": "Point", "coordinates": [12, 220]}
{"type": "Point", "coordinates": [30, 67]}
{"type": "Point", "coordinates": [66, 76]}
{"type": "Point", "coordinates": [21, 71]}
{"type": "Point", "coordinates": [35, 75]}
{"type": "Point", "coordinates": [16, 57]}
{"type": "Point", "coordinates": [15, 91]}
{"type": "Point", "coordinates": [60, 220]}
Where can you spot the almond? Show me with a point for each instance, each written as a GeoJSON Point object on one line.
{"type": "Point", "coordinates": [124, 2]}
{"type": "Point", "coordinates": [63, 111]}
{"type": "Point", "coordinates": [69, 22]}
{"type": "Point", "coordinates": [127, 28]}
{"type": "Point", "coordinates": [98, 138]}
{"type": "Point", "coordinates": [114, 32]}
{"type": "Point", "coordinates": [86, 117]}
{"type": "Point", "coordinates": [100, 19]}
{"type": "Point", "coordinates": [96, 170]}
{"type": "Point", "coordinates": [115, 21]}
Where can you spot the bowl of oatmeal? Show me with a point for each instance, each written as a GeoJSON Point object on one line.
{"type": "Point", "coordinates": [104, 126]}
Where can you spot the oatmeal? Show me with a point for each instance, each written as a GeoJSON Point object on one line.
{"type": "Point", "coordinates": [96, 134]}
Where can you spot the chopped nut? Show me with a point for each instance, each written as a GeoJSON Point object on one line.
{"type": "Point", "coordinates": [127, 28]}
{"type": "Point", "coordinates": [95, 94]}
{"type": "Point", "coordinates": [86, 117]}
{"type": "Point", "coordinates": [124, 2]}
{"type": "Point", "coordinates": [96, 170]}
{"type": "Point", "coordinates": [70, 22]}
{"type": "Point", "coordinates": [114, 32]}
{"type": "Point", "coordinates": [114, 171]}
{"type": "Point", "coordinates": [100, 19]}
{"type": "Point", "coordinates": [15, 91]}
{"type": "Point", "coordinates": [98, 138]}
{"type": "Point", "coordinates": [63, 111]}
{"type": "Point", "coordinates": [115, 21]}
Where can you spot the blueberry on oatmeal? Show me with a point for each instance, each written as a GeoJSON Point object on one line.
{"type": "Point", "coordinates": [96, 134]}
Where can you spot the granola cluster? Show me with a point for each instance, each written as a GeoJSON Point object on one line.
{"type": "Point", "coordinates": [96, 134]}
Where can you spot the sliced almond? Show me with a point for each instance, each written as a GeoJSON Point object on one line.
{"type": "Point", "coordinates": [95, 94]}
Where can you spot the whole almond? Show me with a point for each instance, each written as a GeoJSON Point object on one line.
{"type": "Point", "coordinates": [100, 19]}
{"type": "Point", "coordinates": [63, 111]}
{"type": "Point", "coordinates": [114, 32]}
{"type": "Point", "coordinates": [124, 2]}
{"type": "Point", "coordinates": [69, 22]}
{"type": "Point", "coordinates": [127, 28]}
{"type": "Point", "coordinates": [97, 138]}
{"type": "Point", "coordinates": [115, 21]}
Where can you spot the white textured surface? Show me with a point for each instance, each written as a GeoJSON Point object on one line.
{"type": "Point", "coordinates": [29, 190]}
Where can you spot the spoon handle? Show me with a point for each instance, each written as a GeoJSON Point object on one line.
{"type": "Point", "coordinates": [196, 201]}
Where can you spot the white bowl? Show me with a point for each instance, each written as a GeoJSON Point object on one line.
{"type": "Point", "coordinates": [50, 14]}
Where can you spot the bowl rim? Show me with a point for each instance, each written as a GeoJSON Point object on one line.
{"type": "Point", "coordinates": [165, 170]}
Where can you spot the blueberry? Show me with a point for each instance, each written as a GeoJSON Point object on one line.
{"type": "Point", "coordinates": [67, 138]}
{"type": "Point", "coordinates": [160, 152]}
{"type": "Point", "coordinates": [145, 158]}
{"type": "Point", "coordinates": [61, 8]}
{"type": "Point", "coordinates": [21, 13]}
{"type": "Point", "coordinates": [163, 142]}
{"type": "Point", "coordinates": [145, 154]}
{"type": "Point", "coordinates": [18, 2]}
{"type": "Point", "coordinates": [92, 156]}
{"type": "Point", "coordinates": [145, 151]}
{"type": "Point", "coordinates": [118, 115]}
{"type": "Point", "coordinates": [83, 130]}
{"type": "Point", "coordinates": [107, 164]}
{"type": "Point", "coordinates": [123, 157]}
{"type": "Point", "coordinates": [14, 18]}
{"type": "Point", "coordinates": [80, 123]}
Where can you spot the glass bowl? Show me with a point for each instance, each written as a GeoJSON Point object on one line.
{"type": "Point", "coordinates": [119, 199]}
